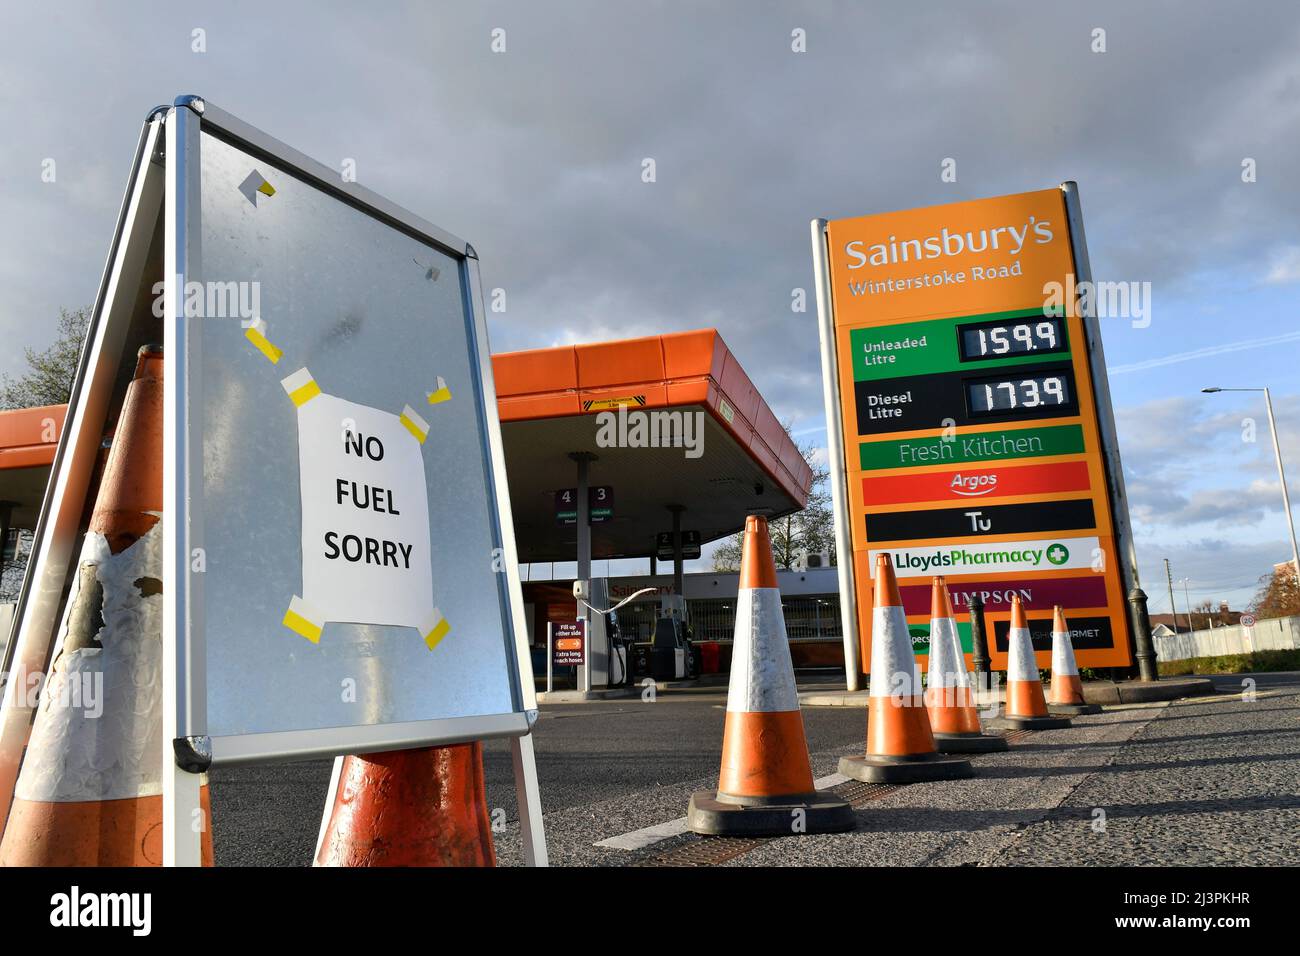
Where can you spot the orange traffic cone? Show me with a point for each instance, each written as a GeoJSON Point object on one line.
{"type": "Point", "coordinates": [900, 745]}
{"type": "Point", "coordinates": [421, 807]}
{"type": "Point", "coordinates": [948, 697]}
{"type": "Point", "coordinates": [1066, 695]}
{"type": "Point", "coordinates": [90, 789]}
{"type": "Point", "coordinates": [766, 785]}
{"type": "Point", "coordinates": [1026, 706]}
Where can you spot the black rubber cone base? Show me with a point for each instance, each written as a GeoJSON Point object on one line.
{"type": "Point", "coordinates": [794, 815]}
{"type": "Point", "coordinates": [1072, 710]}
{"type": "Point", "coordinates": [1029, 723]}
{"type": "Point", "coordinates": [919, 768]}
{"type": "Point", "coordinates": [969, 743]}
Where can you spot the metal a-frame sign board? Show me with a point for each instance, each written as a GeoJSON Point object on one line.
{"type": "Point", "coordinates": [340, 573]}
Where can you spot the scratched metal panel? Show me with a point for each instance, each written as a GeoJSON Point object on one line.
{"type": "Point", "coordinates": [376, 316]}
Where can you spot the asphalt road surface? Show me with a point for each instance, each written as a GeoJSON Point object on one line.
{"type": "Point", "coordinates": [1210, 780]}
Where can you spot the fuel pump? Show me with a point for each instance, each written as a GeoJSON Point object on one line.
{"type": "Point", "coordinates": [607, 647]}
{"type": "Point", "coordinates": [670, 653]}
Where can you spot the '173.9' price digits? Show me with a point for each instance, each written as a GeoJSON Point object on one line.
{"type": "Point", "coordinates": [997, 396]}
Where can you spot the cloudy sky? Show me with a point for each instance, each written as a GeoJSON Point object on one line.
{"type": "Point", "coordinates": [535, 155]}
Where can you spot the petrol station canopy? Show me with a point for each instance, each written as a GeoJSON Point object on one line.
{"type": "Point", "coordinates": [549, 400]}
{"type": "Point", "coordinates": [28, 437]}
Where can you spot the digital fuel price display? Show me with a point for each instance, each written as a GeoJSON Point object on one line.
{"type": "Point", "coordinates": [1046, 394]}
{"type": "Point", "coordinates": [967, 396]}
{"type": "Point", "coordinates": [980, 341]}
{"type": "Point", "coordinates": [969, 420]}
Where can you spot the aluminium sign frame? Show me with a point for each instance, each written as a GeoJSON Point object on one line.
{"type": "Point", "coordinates": [184, 650]}
{"type": "Point", "coordinates": [183, 459]}
{"type": "Point", "coordinates": [163, 190]}
{"type": "Point", "coordinates": [184, 653]}
{"type": "Point", "coordinates": [57, 538]}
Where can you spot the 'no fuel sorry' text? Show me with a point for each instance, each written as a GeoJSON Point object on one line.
{"type": "Point", "coordinates": [365, 497]}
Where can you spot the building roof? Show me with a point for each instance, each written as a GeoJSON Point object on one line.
{"type": "Point", "coordinates": [1178, 622]}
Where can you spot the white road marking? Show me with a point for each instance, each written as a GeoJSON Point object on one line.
{"type": "Point", "coordinates": [649, 836]}
{"type": "Point", "coordinates": [830, 780]}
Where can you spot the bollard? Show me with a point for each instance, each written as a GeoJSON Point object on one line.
{"type": "Point", "coordinates": [1143, 647]}
{"type": "Point", "coordinates": [979, 642]}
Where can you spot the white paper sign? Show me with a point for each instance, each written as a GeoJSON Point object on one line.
{"type": "Point", "coordinates": [366, 549]}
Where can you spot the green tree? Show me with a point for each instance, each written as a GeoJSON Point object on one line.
{"type": "Point", "coordinates": [797, 535]}
{"type": "Point", "coordinates": [49, 375]}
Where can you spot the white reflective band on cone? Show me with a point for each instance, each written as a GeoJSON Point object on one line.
{"type": "Point", "coordinates": [98, 735]}
{"type": "Point", "coordinates": [1063, 655]}
{"type": "Point", "coordinates": [762, 676]}
{"type": "Point", "coordinates": [894, 671]}
{"type": "Point", "coordinates": [1020, 655]}
{"type": "Point", "coordinates": [947, 667]}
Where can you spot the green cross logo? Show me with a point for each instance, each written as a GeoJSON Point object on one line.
{"type": "Point", "coordinates": [1058, 554]}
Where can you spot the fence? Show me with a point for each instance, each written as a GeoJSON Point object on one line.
{"type": "Point", "coordinates": [1277, 634]}
{"type": "Point", "coordinates": [714, 619]}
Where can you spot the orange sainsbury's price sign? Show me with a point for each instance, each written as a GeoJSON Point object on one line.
{"type": "Point", "coordinates": [971, 433]}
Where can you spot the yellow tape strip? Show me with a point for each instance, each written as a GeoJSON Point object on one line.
{"type": "Point", "coordinates": [433, 635]}
{"type": "Point", "coordinates": [297, 623]}
{"type": "Point", "coordinates": [301, 396]}
{"type": "Point", "coordinates": [256, 333]}
{"type": "Point", "coordinates": [414, 424]}
{"type": "Point", "coordinates": [300, 386]}
{"type": "Point", "coordinates": [442, 394]}
{"type": "Point", "coordinates": [266, 189]}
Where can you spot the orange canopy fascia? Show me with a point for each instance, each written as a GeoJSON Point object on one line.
{"type": "Point", "coordinates": [658, 371]}
{"type": "Point", "coordinates": [29, 436]}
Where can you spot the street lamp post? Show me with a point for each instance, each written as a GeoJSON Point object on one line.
{"type": "Point", "coordinates": [1281, 473]}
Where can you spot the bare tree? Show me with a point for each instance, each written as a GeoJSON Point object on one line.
{"type": "Point", "coordinates": [796, 535]}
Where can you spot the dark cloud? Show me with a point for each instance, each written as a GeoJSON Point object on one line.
{"type": "Point", "coordinates": [1162, 503]}
{"type": "Point", "coordinates": [536, 154]}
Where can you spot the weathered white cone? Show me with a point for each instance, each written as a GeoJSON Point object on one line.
{"type": "Point", "coordinates": [948, 697]}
